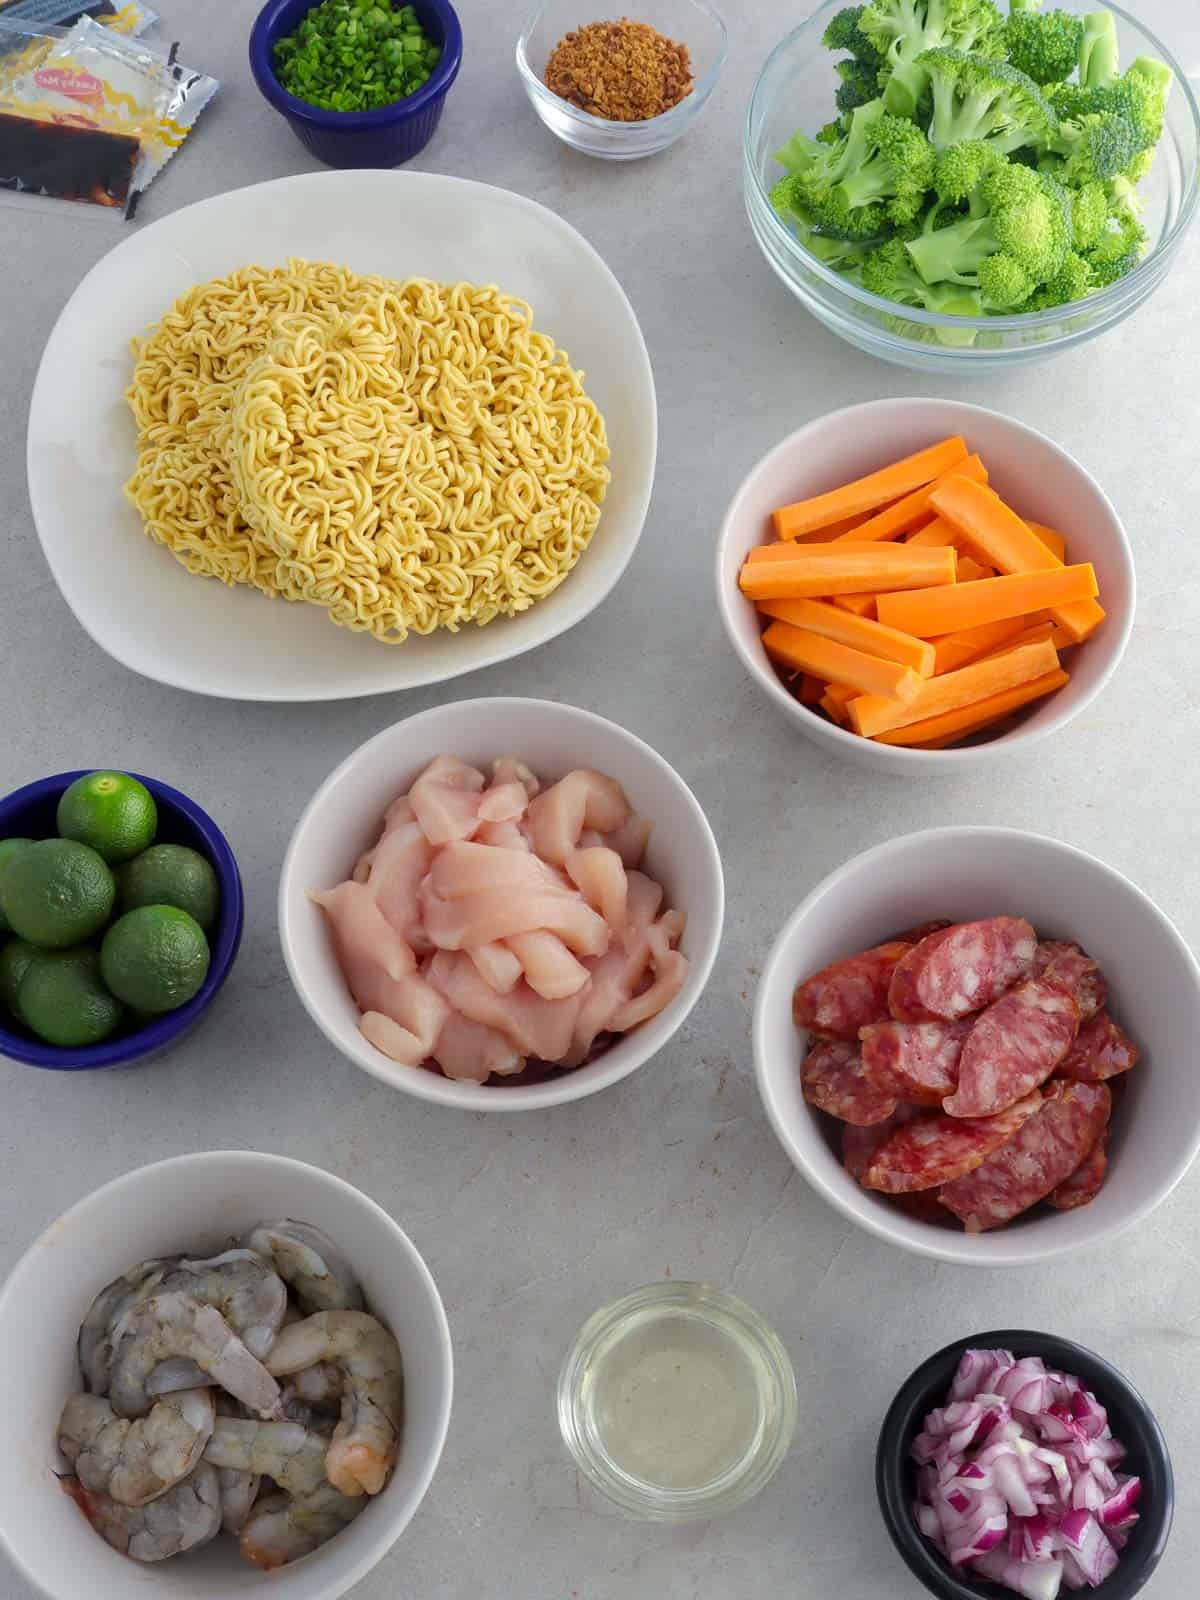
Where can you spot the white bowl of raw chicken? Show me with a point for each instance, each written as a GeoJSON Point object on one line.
{"type": "Point", "coordinates": [197, 1203]}
{"type": "Point", "coordinates": [344, 819]}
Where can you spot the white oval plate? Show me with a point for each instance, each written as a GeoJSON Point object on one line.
{"type": "Point", "coordinates": [135, 599]}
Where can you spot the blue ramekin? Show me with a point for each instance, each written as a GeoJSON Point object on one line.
{"type": "Point", "coordinates": [382, 138]}
{"type": "Point", "coordinates": [30, 813]}
{"type": "Point", "coordinates": [1129, 1416]}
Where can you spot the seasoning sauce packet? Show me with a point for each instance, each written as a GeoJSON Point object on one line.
{"type": "Point", "coordinates": [122, 16]}
{"type": "Point", "coordinates": [90, 115]}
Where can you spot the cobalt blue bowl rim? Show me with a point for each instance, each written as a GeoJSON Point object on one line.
{"type": "Point", "coordinates": [166, 1029]}
{"type": "Point", "coordinates": [268, 27]}
{"type": "Point", "coordinates": [1137, 1427]}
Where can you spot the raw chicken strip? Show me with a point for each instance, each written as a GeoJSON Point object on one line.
{"type": "Point", "coordinates": [409, 1035]}
{"type": "Point", "coordinates": [508, 769]}
{"type": "Point", "coordinates": [599, 875]}
{"type": "Point", "coordinates": [618, 974]}
{"type": "Point", "coordinates": [481, 918]}
{"type": "Point", "coordinates": [497, 965]}
{"type": "Point", "coordinates": [470, 868]}
{"type": "Point", "coordinates": [504, 835]}
{"type": "Point", "coordinates": [367, 945]}
{"type": "Point", "coordinates": [503, 802]}
{"type": "Point", "coordinates": [583, 799]}
{"type": "Point", "coordinates": [445, 799]}
{"type": "Point", "coordinates": [629, 840]}
{"type": "Point", "coordinates": [537, 1027]}
{"type": "Point", "coordinates": [550, 968]}
{"type": "Point", "coordinates": [400, 860]}
{"type": "Point", "coordinates": [470, 1053]}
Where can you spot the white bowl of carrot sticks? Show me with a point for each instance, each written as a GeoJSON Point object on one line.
{"type": "Point", "coordinates": [925, 586]}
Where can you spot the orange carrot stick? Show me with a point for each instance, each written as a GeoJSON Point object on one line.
{"type": "Point", "coordinates": [995, 531]}
{"type": "Point", "coordinates": [810, 690]}
{"type": "Point", "coordinates": [955, 650]}
{"type": "Point", "coordinates": [838, 663]}
{"type": "Point", "coordinates": [904, 515]}
{"type": "Point", "coordinates": [865, 495]}
{"type": "Point", "coordinates": [861, 605]}
{"type": "Point", "coordinates": [935, 732]}
{"type": "Point", "coordinates": [970, 571]}
{"type": "Point", "coordinates": [931, 612]}
{"type": "Point", "coordinates": [832, 622]}
{"type": "Point", "coordinates": [818, 570]}
{"type": "Point", "coordinates": [1053, 541]}
{"type": "Point", "coordinates": [874, 714]}
{"type": "Point", "coordinates": [934, 534]}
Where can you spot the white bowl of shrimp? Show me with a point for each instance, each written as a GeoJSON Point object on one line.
{"type": "Point", "coordinates": [501, 904]}
{"type": "Point", "coordinates": [195, 1206]}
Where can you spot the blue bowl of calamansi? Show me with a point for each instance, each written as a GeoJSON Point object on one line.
{"type": "Point", "coordinates": [121, 913]}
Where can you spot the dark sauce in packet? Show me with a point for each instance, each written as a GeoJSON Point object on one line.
{"type": "Point", "coordinates": [89, 115]}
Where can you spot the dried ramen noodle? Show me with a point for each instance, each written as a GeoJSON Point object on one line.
{"type": "Point", "coordinates": [410, 456]}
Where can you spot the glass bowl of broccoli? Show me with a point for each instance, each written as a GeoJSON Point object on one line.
{"type": "Point", "coordinates": [970, 186]}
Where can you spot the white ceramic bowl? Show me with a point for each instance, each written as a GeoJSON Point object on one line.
{"type": "Point", "coordinates": [137, 602]}
{"type": "Point", "coordinates": [1039, 478]}
{"type": "Point", "coordinates": [196, 1202]}
{"type": "Point", "coordinates": [965, 873]}
{"type": "Point", "coordinates": [343, 819]}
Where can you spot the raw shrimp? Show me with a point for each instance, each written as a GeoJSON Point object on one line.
{"type": "Point", "coordinates": [105, 1312]}
{"type": "Point", "coordinates": [239, 1491]}
{"type": "Point", "coordinates": [134, 1462]}
{"type": "Point", "coordinates": [308, 1261]}
{"type": "Point", "coordinates": [283, 1529]}
{"type": "Point", "coordinates": [365, 1440]}
{"type": "Point", "coordinates": [171, 1326]}
{"type": "Point", "coordinates": [319, 1388]}
{"type": "Point", "coordinates": [186, 1516]}
{"type": "Point", "coordinates": [288, 1452]}
{"type": "Point", "coordinates": [242, 1286]}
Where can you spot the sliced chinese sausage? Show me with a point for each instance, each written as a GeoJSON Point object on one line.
{"type": "Point", "coordinates": [833, 1080]}
{"type": "Point", "coordinates": [848, 995]}
{"type": "Point", "coordinates": [935, 1150]}
{"type": "Point", "coordinates": [1014, 1047]}
{"type": "Point", "coordinates": [922, 931]}
{"type": "Point", "coordinates": [860, 1144]}
{"type": "Point", "coordinates": [1101, 1051]}
{"type": "Point", "coordinates": [961, 969]}
{"type": "Point", "coordinates": [915, 1061]}
{"type": "Point", "coordinates": [1043, 1153]}
{"type": "Point", "coordinates": [1085, 1183]}
{"type": "Point", "coordinates": [1077, 970]}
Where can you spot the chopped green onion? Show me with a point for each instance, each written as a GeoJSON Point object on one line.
{"type": "Point", "coordinates": [356, 55]}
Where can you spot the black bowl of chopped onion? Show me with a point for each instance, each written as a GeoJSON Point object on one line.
{"type": "Point", "coordinates": [1020, 1463]}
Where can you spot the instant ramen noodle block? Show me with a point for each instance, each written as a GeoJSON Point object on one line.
{"type": "Point", "coordinates": [90, 115]}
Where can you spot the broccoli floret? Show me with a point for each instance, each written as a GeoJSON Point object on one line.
{"type": "Point", "coordinates": [903, 30]}
{"type": "Point", "coordinates": [978, 99]}
{"type": "Point", "coordinates": [1122, 242]}
{"type": "Point", "coordinates": [844, 33]}
{"type": "Point", "coordinates": [1095, 148]}
{"type": "Point", "coordinates": [888, 272]}
{"type": "Point", "coordinates": [1090, 211]}
{"type": "Point", "coordinates": [845, 255]}
{"type": "Point", "coordinates": [1099, 52]}
{"type": "Point", "coordinates": [859, 85]}
{"type": "Point", "coordinates": [1046, 48]}
{"type": "Point", "coordinates": [1022, 216]}
{"type": "Point", "coordinates": [877, 174]}
{"type": "Point", "coordinates": [960, 170]}
{"type": "Point", "coordinates": [831, 132]}
{"type": "Point", "coordinates": [1072, 281]}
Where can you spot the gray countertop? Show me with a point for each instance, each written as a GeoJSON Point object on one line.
{"type": "Point", "coordinates": [528, 1223]}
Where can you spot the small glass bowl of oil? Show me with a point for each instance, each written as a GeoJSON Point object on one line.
{"type": "Point", "coordinates": [678, 1401]}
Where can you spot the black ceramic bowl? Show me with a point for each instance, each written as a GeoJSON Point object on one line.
{"type": "Point", "coordinates": [1131, 1421]}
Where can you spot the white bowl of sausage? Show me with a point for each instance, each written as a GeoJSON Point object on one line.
{"type": "Point", "coordinates": [964, 874]}
{"type": "Point", "coordinates": [343, 820]}
{"type": "Point", "coordinates": [197, 1203]}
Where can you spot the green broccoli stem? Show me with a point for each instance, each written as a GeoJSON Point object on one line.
{"type": "Point", "coordinates": [954, 254]}
{"type": "Point", "coordinates": [1099, 55]}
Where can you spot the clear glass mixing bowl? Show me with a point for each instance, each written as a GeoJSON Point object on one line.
{"type": "Point", "coordinates": [795, 90]}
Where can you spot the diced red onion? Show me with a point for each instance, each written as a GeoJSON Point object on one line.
{"type": "Point", "coordinates": [1015, 1477]}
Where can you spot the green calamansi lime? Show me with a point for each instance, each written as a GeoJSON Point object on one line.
{"type": "Point", "coordinates": [154, 958]}
{"type": "Point", "coordinates": [56, 893]}
{"type": "Point", "coordinates": [64, 1001]}
{"type": "Point", "coordinates": [8, 849]}
{"type": "Point", "coordinates": [169, 875]}
{"type": "Point", "coordinates": [14, 963]}
{"type": "Point", "coordinates": [111, 811]}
